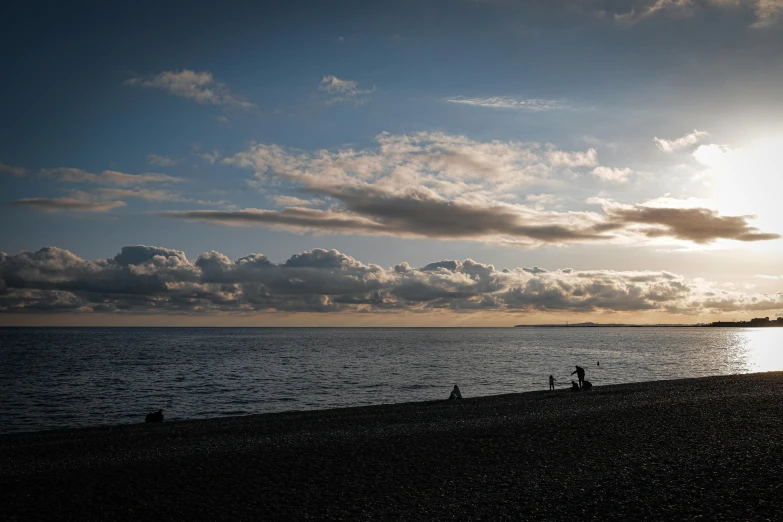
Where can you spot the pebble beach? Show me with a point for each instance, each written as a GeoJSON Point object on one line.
{"type": "Point", "coordinates": [708, 448]}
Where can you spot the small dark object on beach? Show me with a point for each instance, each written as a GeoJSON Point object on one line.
{"type": "Point", "coordinates": [587, 386]}
{"type": "Point", "coordinates": [455, 393]}
{"type": "Point", "coordinates": [574, 387]}
{"type": "Point", "coordinates": [155, 416]}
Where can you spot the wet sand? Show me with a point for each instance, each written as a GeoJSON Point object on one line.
{"type": "Point", "coordinates": [709, 447]}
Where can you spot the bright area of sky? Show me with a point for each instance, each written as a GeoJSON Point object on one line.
{"type": "Point", "coordinates": [391, 163]}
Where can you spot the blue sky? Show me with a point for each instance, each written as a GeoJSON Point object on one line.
{"type": "Point", "coordinates": [633, 144]}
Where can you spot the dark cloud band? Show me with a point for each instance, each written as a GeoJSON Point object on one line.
{"type": "Point", "coordinates": [142, 279]}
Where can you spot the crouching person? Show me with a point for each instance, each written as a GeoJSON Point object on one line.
{"type": "Point", "coordinates": [455, 394]}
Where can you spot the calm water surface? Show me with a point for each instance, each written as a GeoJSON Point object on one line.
{"type": "Point", "coordinates": [64, 377]}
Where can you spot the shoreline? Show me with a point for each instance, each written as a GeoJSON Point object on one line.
{"type": "Point", "coordinates": [708, 446]}
{"type": "Point", "coordinates": [559, 388]}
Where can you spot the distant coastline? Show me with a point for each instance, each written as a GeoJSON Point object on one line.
{"type": "Point", "coordinates": [760, 322]}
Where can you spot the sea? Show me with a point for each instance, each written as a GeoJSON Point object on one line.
{"type": "Point", "coordinates": [75, 377]}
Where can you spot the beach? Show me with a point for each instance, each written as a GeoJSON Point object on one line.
{"type": "Point", "coordinates": [707, 448]}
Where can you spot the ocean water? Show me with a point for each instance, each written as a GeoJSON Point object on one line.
{"type": "Point", "coordinates": [68, 377]}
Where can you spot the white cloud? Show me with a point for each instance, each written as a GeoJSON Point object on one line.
{"type": "Point", "coordinates": [542, 199]}
{"type": "Point", "coordinates": [505, 102]}
{"type": "Point", "coordinates": [618, 175]}
{"type": "Point", "coordinates": [291, 201]}
{"type": "Point", "coordinates": [714, 156]}
{"type": "Point", "coordinates": [200, 87]}
{"type": "Point", "coordinates": [343, 90]}
{"type": "Point", "coordinates": [451, 187]}
{"type": "Point", "coordinates": [588, 158]}
{"type": "Point", "coordinates": [680, 143]}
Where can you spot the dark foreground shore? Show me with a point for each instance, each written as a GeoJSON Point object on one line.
{"type": "Point", "coordinates": [708, 448]}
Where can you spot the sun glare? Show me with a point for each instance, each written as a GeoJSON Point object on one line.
{"type": "Point", "coordinates": [746, 180]}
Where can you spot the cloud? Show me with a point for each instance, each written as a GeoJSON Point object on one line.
{"type": "Point", "coordinates": [699, 225]}
{"type": "Point", "coordinates": [767, 12]}
{"type": "Point", "coordinates": [144, 279]}
{"type": "Point", "coordinates": [162, 161]}
{"type": "Point", "coordinates": [448, 187]}
{"type": "Point", "coordinates": [290, 201]}
{"type": "Point", "coordinates": [618, 175]}
{"type": "Point", "coordinates": [67, 204]}
{"type": "Point", "coordinates": [713, 155]}
{"type": "Point", "coordinates": [413, 217]}
{"type": "Point", "coordinates": [107, 177]}
{"type": "Point", "coordinates": [542, 199]}
{"type": "Point", "coordinates": [343, 90]}
{"type": "Point", "coordinates": [505, 102]}
{"type": "Point", "coordinates": [14, 171]}
{"type": "Point", "coordinates": [680, 143]}
{"type": "Point", "coordinates": [200, 87]}
{"type": "Point", "coordinates": [209, 157]}
{"type": "Point", "coordinates": [588, 158]}
{"type": "Point", "coordinates": [115, 193]}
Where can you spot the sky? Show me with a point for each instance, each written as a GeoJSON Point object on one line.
{"type": "Point", "coordinates": [391, 163]}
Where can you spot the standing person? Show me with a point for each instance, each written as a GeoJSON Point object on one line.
{"type": "Point", "coordinates": [552, 382]}
{"type": "Point", "coordinates": [580, 374]}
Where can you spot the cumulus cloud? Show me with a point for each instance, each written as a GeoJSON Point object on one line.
{"type": "Point", "coordinates": [680, 143]}
{"type": "Point", "coordinates": [199, 86]}
{"type": "Point", "coordinates": [439, 186]}
{"type": "Point", "coordinates": [505, 102]}
{"type": "Point", "coordinates": [144, 279]}
{"type": "Point", "coordinates": [343, 90]}
{"type": "Point", "coordinates": [107, 177]}
{"type": "Point", "coordinates": [67, 204]}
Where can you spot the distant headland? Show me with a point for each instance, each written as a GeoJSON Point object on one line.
{"type": "Point", "coordinates": [759, 322]}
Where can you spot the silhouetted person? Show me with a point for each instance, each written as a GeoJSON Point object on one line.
{"type": "Point", "coordinates": [552, 382]}
{"type": "Point", "coordinates": [586, 386]}
{"type": "Point", "coordinates": [455, 394]}
{"type": "Point", "coordinates": [155, 416]}
{"type": "Point", "coordinates": [574, 386]}
{"type": "Point", "coordinates": [580, 374]}
{"type": "Point", "coordinates": [598, 363]}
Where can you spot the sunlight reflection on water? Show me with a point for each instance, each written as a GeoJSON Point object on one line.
{"type": "Point", "coordinates": [763, 349]}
